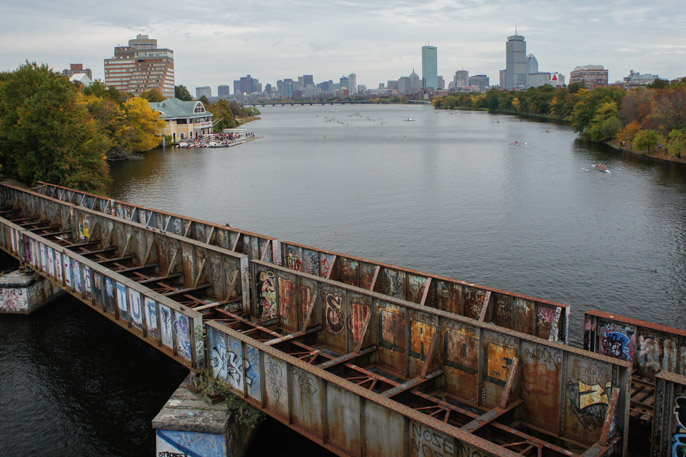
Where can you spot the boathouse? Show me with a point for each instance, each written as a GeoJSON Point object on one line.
{"type": "Point", "coordinates": [184, 120]}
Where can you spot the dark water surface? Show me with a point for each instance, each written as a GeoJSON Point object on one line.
{"type": "Point", "coordinates": [447, 193]}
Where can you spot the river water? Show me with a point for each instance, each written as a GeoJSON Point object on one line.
{"type": "Point", "coordinates": [444, 192]}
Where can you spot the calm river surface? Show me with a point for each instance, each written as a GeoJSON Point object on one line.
{"type": "Point", "coordinates": [446, 193]}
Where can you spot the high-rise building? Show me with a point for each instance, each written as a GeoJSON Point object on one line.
{"type": "Point", "coordinates": [404, 86]}
{"type": "Point", "coordinates": [204, 91]}
{"type": "Point", "coordinates": [429, 67]}
{"type": "Point", "coordinates": [461, 78]}
{"type": "Point", "coordinates": [141, 66]}
{"type": "Point", "coordinates": [246, 86]}
{"type": "Point", "coordinates": [479, 80]}
{"type": "Point", "coordinates": [223, 91]}
{"type": "Point", "coordinates": [352, 83]}
{"type": "Point", "coordinates": [591, 76]}
{"type": "Point", "coordinates": [441, 83]}
{"type": "Point", "coordinates": [345, 83]}
{"type": "Point", "coordinates": [308, 80]}
{"type": "Point", "coordinates": [515, 58]}
{"type": "Point", "coordinates": [531, 64]}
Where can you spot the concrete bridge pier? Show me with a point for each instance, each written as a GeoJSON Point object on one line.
{"type": "Point", "coordinates": [188, 426]}
{"type": "Point", "coordinates": [22, 292]}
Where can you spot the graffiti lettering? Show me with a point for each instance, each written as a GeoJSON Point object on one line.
{"type": "Point", "coordinates": [589, 402]}
{"type": "Point", "coordinates": [294, 262]}
{"type": "Point", "coordinates": [334, 314]}
{"type": "Point", "coordinates": [274, 375]}
{"type": "Point", "coordinates": [539, 380]}
{"type": "Point", "coordinates": [428, 443]}
{"type": "Point", "coordinates": [305, 383]}
{"type": "Point", "coordinates": [286, 297]}
{"type": "Point", "coordinates": [266, 303]}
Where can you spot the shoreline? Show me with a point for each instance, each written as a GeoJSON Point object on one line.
{"type": "Point", "coordinates": [659, 154]}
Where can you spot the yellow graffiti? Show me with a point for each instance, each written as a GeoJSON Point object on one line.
{"type": "Point", "coordinates": [593, 394]}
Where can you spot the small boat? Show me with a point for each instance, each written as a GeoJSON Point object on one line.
{"type": "Point", "coordinates": [409, 119]}
{"type": "Point", "coordinates": [601, 167]}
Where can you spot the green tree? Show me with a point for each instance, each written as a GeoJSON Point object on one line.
{"type": "Point", "coordinates": [605, 124]}
{"type": "Point", "coordinates": [223, 116]}
{"type": "Point", "coordinates": [47, 133]}
{"type": "Point", "coordinates": [646, 140]}
{"type": "Point", "coordinates": [677, 142]}
{"type": "Point", "coordinates": [182, 93]}
{"type": "Point", "coordinates": [153, 95]}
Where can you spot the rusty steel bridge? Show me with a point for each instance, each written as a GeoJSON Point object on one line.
{"type": "Point", "coordinates": [364, 358]}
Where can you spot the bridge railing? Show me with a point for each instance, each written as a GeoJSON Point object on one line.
{"type": "Point", "coordinates": [253, 245]}
{"type": "Point", "coordinates": [564, 391]}
{"type": "Point", "coordinates": [224, 271]}
{"type": "Point", "coordinates": [649, 347]}
{"type": "Point", "coordinates": [174, 329]}
{"type": "Point", "coordinates": [534, 316]}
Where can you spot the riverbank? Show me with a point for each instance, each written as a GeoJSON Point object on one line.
{"type": "Point", "coordinates": [659, 154]}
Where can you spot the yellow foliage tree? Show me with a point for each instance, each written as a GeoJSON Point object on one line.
{"type": "Point", "coordinates": [628, 133]}
{"type": "Point", "coordinates": [147, 124]}
{"type": "Point", "coordinates": [517, 103]}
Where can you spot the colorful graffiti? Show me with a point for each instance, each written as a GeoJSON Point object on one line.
{"type": "Point", "coordinates": [252, 372]}
{"type": "Point", "coordinates": [333, 314]}
{"type": "Point", "coordinates": [294, 262]}
{"type": "Point", "coordinates": [392, 330]}
{"type": "Point", "coordinates": [266, 293]}
{"type": "Point", "coordinates": [76, 275]}
{"type": "Point", "coordinates": [311, 262]}
{"type": "Point", "coordinates": [538, 379]}
{"type": "Point", "coordinates": [121, 300]}
{"type": "Point", "coordinates": [617, 341]}
{"type": "Point", "coordinates": [286, 297]}
{"type": "Point", "coordinates": [182, 443]}
{"type": "Point", "coordinates": [58, 266]}
{"type": "Point", "coordinates": [589, 402]}
{"type": "Point", "coordinates": [234, 364]}
{"type": "Point", "coordinates": [136, 311]}
{"type": "Point", "coordinates": [151, 316]}
{"type": "Point", "coordinates": [679, 435]}
{"type": "Point", "coordinates": [87, 281]}
{"type": "Point", "coordinates": [326, 265]}
{"type": "Point", "coordinates": [218, 353]}
{"type": "Point", "coordinates": [655, 354]}
{"type": "Point", "coordinates": [13, 300]}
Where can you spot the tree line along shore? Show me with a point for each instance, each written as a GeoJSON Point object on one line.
{"type": "Point", "coordinates": [60, 132]}
{"type": "Point", "coordinates": [648, 121]}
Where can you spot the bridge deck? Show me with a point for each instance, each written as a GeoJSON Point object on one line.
{"type": "Point", "coordinates": [358, 371]}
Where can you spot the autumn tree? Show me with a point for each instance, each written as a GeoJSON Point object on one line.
{"type": "Point", "coordinates": [47, 133]}
{"type": "Point", "coordinates": [223, 116]}
{"type": "Point", "coordinates": [153, 95]}
{"type": "Point", "coordinates": [677, 142]}
{"type": "Point", "coordinates": [145, 124]}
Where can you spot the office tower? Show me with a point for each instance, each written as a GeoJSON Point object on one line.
{"type": "Point", "coordinates": [246, 85]}
{"type": "Point", "coordinates": [429, 67]}
{"type": "Point", "coordinates": [352, 83]}
{"type": "Point", "coordinates": [515, 58]}
{"type": "Point", "coordinates": [205, 91]}
{"type": "Point", "coordinates": [591, 76]}
{"type": "Point", "coordinates": [141, 66]}
{"type": "Point", "coordinates": [461, 78]}
{"type": "Point", "coordinates": [479, 80]}
{"type": "Point", "coordinates": [308, 80]}
{"type": "Point", "coordinates": [531, 64]}
{"type": "Point", "coordinates": [441, 83]}
{"type": "Point", "coordinates": [345, 84]}
{"type": "Point", "coordinates": [223, 91]}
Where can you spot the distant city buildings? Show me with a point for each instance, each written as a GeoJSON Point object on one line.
{"type": "Point", "coordinates": [223, 91]}
{"type": "Point", "coordinates": [461, 79]}
{"type": "Point", "coordinates": [591, 76]}
{"type": "Point", "coordinates": [429, 67]}
{"type": "Point", "coordinates": [480, 81]}
{"type": "Point", "coordinates": [140, 67]}
{"type": "Point", "coordinates": [204, 91]}
{"type": "Point", "coordinates": [636, 79]}
{"type": "Point", "coordinates": [352, 83]}
{"type": "Point", "coordinates": [246, 85]}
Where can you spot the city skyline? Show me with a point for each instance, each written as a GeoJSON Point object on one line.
{"type": "Point", "coordinates": [377, 42]}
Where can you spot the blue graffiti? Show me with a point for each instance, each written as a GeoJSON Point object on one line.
{"type": "Point", "coordinates": [617, 345]}
{"type": "Point", "coordinates": [679, 446]}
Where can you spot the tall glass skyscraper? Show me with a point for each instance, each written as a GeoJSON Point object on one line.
{"type": "Point", "coordinates": [515, 57]}
{"type": "Point", "coordinates": [429, 67]}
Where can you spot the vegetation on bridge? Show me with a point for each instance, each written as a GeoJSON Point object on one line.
{"type": "Point", "coordinates": [53, 130]}
{"type": "Point", "coordinates": [641, 118]}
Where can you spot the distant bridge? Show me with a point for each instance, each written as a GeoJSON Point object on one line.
{"type": "Point", "coordinates": [364, 358]}
{"type": "Point", "coordinates": [306, 103]}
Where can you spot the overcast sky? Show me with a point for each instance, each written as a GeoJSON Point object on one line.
{"type": "Point", "coordinates": [217, 42]}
